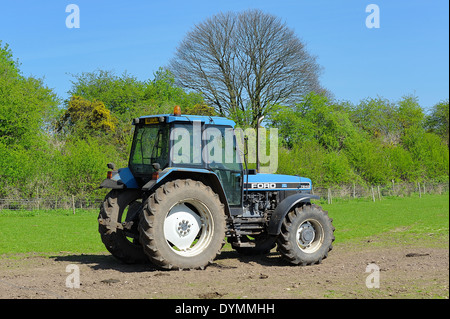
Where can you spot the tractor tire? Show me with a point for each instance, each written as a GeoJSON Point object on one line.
{"type": "Point", "coordinates": [118, 229]}
{"type": "Point", "coordinates": [183, 225]}
{"type": "Point", "coordinates": [306, 235]}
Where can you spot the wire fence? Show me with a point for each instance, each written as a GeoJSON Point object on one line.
{"type": "Point", "coordinates": [354, 191]}
{"type": "Point", "coordinates": [47, 203]}
{"type": "Point", "coordinates": [377, 192]}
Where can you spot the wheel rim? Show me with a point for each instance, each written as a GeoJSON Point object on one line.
{"type": "Point", "coordinates": [188, 227]}
{"type": "Point", "coordinates": [310, 236]}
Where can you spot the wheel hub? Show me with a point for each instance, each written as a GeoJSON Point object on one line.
{"type": "Point", "coordinates": [181, 226]}
{"type": "Point", "coordinates": [306, 234]}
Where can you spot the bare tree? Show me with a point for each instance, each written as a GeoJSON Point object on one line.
{"type": "Point", "coordinates": [244, 63]}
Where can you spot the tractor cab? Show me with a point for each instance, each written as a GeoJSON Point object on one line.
{"type": "Point", "coordinates": [164, 144]}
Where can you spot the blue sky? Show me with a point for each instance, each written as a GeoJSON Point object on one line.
{"type": "Point", "coordinates": [408, 54]}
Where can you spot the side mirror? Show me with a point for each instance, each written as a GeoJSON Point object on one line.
{"type": "Point", "coordinates": [111, 166]}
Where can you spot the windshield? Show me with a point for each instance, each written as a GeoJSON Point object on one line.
{"type": "Point", "coordinates": [150, 145]}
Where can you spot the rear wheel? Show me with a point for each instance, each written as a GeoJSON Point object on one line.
{"type": "Point", "coordinates": [118, 225]}
{"type": "Point", "coordinates": [306, 235]}
{"type": "Point", "coordinates": [182, 225]}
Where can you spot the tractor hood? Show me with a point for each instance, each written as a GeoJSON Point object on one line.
{"type": "Point", "coordinates": [268, 182]}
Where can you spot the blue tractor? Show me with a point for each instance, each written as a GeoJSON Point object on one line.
{"type": "Point", "coordinates": [175, 207]}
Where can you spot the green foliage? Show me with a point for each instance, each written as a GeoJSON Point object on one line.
{"type": "Point", "coordinates": [15, 167]}
{"type": "Point", "coordinates": [438, 121]}
{"type": "Point", "coordinates": [377, 118]}
{"type": "Point", "coordinates": [430, 153]}
{"type": "Point", "coordinates": [369, 161]}
{"type": "Point", "coordinates": [324, 167]}
{"type": "Point", "coordinates": [374, 142]}
{"type": "Point", "coordinates": [84, 117]}
{"type": "Point", "coordinates": [26, 104]}
{"type": "Point", "coordinates": [127, 97]}
{"type": "Point", "coordinates": [54, 151]}
{"type": "Point", "coordinates": [200, 109]}
{"type": "Point", "coordinates": [27, 107]}
{"type": "Point", "coordinates": [402, 164]}
{"type": "Point", "coordinates": [314, 119]}
{"type": "Point", "coordinates": [162, 93]}
{"type": "Point", "coordinates": [84, 163]}
{"type": "Point", "coordinates": [122, 95]}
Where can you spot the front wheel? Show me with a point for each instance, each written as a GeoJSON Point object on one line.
{"type": "Point", "coordinates": [306, 235]}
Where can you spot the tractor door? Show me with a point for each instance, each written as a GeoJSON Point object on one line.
{"type": "Point", "coordinates": [222, 157]}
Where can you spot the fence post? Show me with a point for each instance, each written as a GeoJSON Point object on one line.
{"type": "Point", "coordinates": [354, 190]}
{"type": "Point", "coordinates": [420, 192]}
{"type": "Point", "coordinates": [379, 193]}
{"type": "Point", "coordinates": [373, 195]}
{"type": "Point", "coordinates": [393, 188]}
{"type": "Point", "coordinates": [330, 199]}
{"type": "Point", "coordinates": [73, 204]}
{"type": "Point", "coordinates": [37, 197]}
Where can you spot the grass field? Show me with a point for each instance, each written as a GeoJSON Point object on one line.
{"type": "Point", "coordinates": [397, 220]}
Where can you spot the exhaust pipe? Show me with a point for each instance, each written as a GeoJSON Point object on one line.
{"type": "Point", "coordinates": [257, 143]}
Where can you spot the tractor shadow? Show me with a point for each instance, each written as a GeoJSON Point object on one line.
{"type": "Point", "coordinates": [272, 259]}
{"type": "Point", "coordinates": [105, 262]}
{"type": "Point", "coordinates": [226, 260]}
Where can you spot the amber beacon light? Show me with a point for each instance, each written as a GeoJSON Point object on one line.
{"type": "Point", "coordinates": [177, 110]}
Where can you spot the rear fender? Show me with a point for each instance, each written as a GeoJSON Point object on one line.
{"type": "Point", "coordinates": [280, 212]}
{"type": "Point", "coordinates": [123, 178]}
{"type": "Point", "coordinates": [207, 177]}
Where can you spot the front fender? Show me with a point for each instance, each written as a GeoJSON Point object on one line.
{"type": "Point", "coordinates": [280, 212]}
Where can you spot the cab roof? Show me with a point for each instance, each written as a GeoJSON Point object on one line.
{"type": "Point", "coordinates": [170, 118]}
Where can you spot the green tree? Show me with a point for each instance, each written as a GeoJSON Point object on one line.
{"type": "Point", "coordinates": [368, 159]}
{"type": "Point", "coordinates": [438, 121]}
{"type": "Point", "coordinates": [26, 104]}
{"type": "Point", "coordinates": [127, 97]}
{"type": "Point", "coordinates": [122, 95]}
{"type": "Point", "coordinates": [377, 117]}
{"type": "Point", "coordinates": [164, 94]}
{"type": "Point", "coordinates": [404, 168]}
{"type": "Point", "coordinates": [27, 108]}
{"type": "Point", "coordinates": [86, 117]}
{"type": "Point", "coordinates": [409, 113]}
{"type": "Point", "coordinates": [430, 154]}
{"type": "Point", "coordinates": [84, 165]}
{"type": "Point", "coordinates": [200, 109]}
{"type": "Point", "coordinates": [386, 120]}
{"type": "Point", "coordinates": [315, 118]}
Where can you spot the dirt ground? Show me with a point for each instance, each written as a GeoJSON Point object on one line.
{"type": "Point", "coordinates": [404, 272]}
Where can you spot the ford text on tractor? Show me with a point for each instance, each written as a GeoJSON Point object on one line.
{"type": "Point", "coordinates": [175, 207]}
